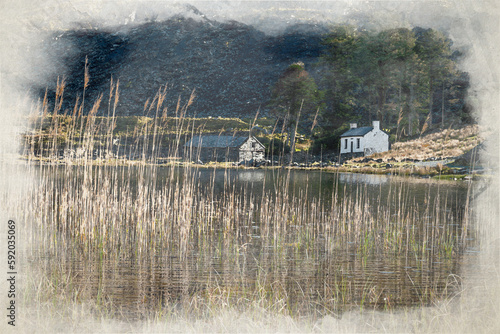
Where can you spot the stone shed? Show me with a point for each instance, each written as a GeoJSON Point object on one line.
{"type": "Point", "coordinates": [225, 148]}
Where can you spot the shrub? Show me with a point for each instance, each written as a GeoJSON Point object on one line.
{"type": "Point", "coordinates": [274, 146]}
{"type": "Point", "coordinates": [328, 142]}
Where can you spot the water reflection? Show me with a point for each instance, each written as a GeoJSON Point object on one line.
{"type": "Point", "coordinates": [349, 240]}
{"type": "Point", "coordinates": [371, 179]}
{"type": "Point", "coordinates": [321, 282]}
{"type": "Point", "coordinates": [251, 176]}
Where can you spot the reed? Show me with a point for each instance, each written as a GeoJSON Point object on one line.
{"type": "Point", "coordinates": [136, 210]}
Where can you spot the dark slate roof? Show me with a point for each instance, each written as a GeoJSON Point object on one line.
{"type": "Point", "coordinates": [357, 131]}
{"type": "Point", "coordinates": [216, 141]}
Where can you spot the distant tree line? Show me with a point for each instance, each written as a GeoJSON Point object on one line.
{"type": "Point", "coordinates": [407, 79]}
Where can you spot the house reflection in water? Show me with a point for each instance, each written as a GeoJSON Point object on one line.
{"type": "Point", "coordinates": [371, 179]}
{"type": "Point", "coordinates": [251, 176]}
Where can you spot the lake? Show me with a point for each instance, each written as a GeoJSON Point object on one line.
{"type": "Point", "coordinates": [137, 239]}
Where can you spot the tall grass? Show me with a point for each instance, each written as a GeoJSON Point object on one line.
{"type": "Point", "coordinates": [260, 247]}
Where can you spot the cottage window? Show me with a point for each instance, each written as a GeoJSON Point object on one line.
{"type": "Point", "coordinates": [357, 144]}
{"type": "Point", "coordinates": [345, 144]}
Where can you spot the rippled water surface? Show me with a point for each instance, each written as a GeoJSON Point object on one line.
{"type": "Point", "coordinates": [305, 268]}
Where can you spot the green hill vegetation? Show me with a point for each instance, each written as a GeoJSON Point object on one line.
{"type": "Point", "coordinates": [408, 79]}
{"type": "Point", "coordinates": [62, 136]}
{"type": "Point", "coordinates": [315, 79]}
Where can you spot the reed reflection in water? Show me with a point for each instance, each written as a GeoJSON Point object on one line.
{"type": "Point", "coordinates": [140, 239]}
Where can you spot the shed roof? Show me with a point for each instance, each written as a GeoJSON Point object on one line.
{"type": "Point", "coordinates": [357, 131]}
{"type": "Point", "coordinates": [213, 141]}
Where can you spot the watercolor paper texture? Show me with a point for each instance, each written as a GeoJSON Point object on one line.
{"type": "Point", "coordinates": [26, 26]}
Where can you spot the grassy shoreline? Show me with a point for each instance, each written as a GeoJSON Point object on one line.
{"type": "Point", "coordinates": [133, 140]}
{"type": "Point", "coordinates": [402, 169]}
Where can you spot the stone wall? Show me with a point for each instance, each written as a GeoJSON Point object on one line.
{"type": "Point", "coordinates": [252, 149]}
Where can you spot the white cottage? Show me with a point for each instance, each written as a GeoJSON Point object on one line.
{"type": "Point", "coordinates": [364, 141]}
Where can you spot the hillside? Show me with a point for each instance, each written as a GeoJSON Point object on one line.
{"type": "Point", "coordinates": [230, 66]}
{"type": "Point", "coordinates": [408, 79]}
{"type": "Point", "coordinates": [438, 145]}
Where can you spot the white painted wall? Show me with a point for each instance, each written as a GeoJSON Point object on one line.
{"type": "Point", "coordinates": [373, 142]}
{"type": "Point", "coordinates": [352, 140]}
{"type": "Point", "coordinates": [376, 141]}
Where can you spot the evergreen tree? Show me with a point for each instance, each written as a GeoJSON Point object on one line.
{"type": "Point", "coordinates": [296, 98]}
{"type": "Point", "coordinates": [404, 78]}
{"type": "Point", "coordinates": [344, 47]}
{"type": "Point", "coordinates": [435, 52]}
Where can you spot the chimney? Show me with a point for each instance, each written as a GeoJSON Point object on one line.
{"type": "Point", "coordinates": [376, 125]}
{"type": "Point", "coordinates": [353, 125]}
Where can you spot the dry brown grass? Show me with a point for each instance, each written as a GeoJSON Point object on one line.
{"type": "Point", "coordinates": [112, 211]}
{"type": "Point", "coordinates": [443, 144]}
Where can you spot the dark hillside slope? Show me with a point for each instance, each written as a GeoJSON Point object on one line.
{"type": "Point", "coordinates": [231, 66]}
